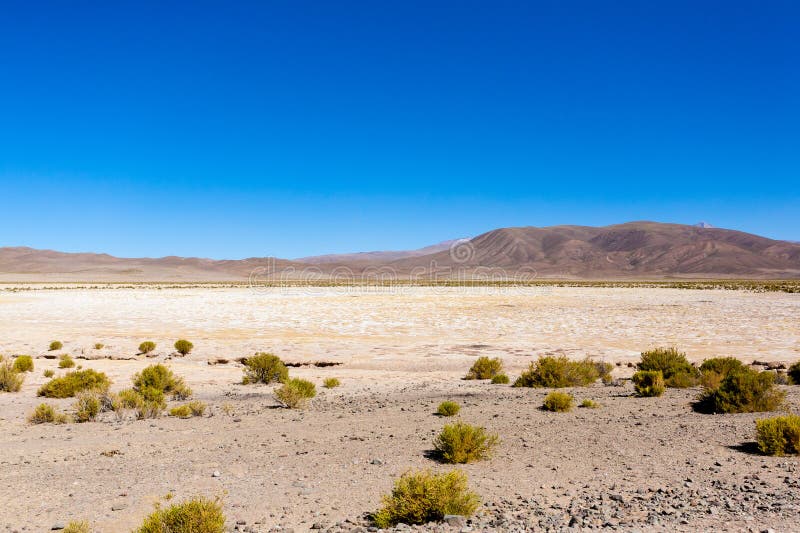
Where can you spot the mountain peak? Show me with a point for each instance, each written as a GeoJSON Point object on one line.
{"type": "Point", "coordinates": [703, 225]}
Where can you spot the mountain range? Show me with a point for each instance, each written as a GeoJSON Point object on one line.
{"type": "Point", "coordinates": [634, 250]}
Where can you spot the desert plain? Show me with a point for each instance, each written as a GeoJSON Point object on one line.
{"type": "Point", "coordinates": [634, 464]}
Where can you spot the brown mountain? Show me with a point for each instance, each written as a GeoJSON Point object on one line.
{"type": "Point", "coordinates": [632, 250]}
{"type": "Point", "coordinates": [378, 256]}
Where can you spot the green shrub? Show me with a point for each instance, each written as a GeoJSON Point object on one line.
{"type": "Point", "coordinates": [48, 373]}
{"type": "Point", "coordinates": [10, 379]}
{"type": "Point", "coordinates": [87, 406]}
{"type": "Point", "coordinates": [463, 443]}
{"type": "Point", "coordinates": [265, 368]}
{"type": "Point", "coordinates": [559, 402]}
{"type": "Point", "coordinates": [148, 346]}
{"type": "Point", "coordinates": [295, 393]}
{"type": "Point", "coordinates": [129, 399]}
{"type": "Point", "coordinates": [160, 377]}
{"type": "Point", "coordinates": [485, 368]}
{"type": "Point", "coordinates": [331, 383]}
{"type": "Point", "coordinates": [99, 346]}
{"type": "Point", "coordinates": [714, 370]}
{"type": "Point", "coordinates": [794, 373]}
{"type": "Point", "coordinates": [65, 361]}
{"type": "Point", "coordinates": [183, 346]}
{"type": "Point", "coordinates": [779, 435]}
{"type": "Point", "coordinates": [421, 497]}
{"type": "Point", "coordinates": [604, 371]}
{"type": "Point", "coordinates": [743, 390]}
{"type": "Point", "coordinates": [556, 372]}
{"type": "Point", "coordinates": [500, 379]}
{"type": "Point", "coordinates": [152, 403]}
{"type": "Point", "coordinates": [648, 383]}
{"type": "Point", "coordinates": [47, 414]}
{"type": "Point", "coordinates": [676, 370]}
{"type": "Point", "coordinates": [73, 382]}
{"type": "Point", "coordinates": [23, 363]}
{"type": "Point", "coordinates": [187, 410]}
{"type": "Point", "coordinates": [77, 527]}
{"type": "Point", "coordinates": [199, 515]}
{"type": "Point", "coordinates": [448, 408]}
{"type": "Point", "coordinates": [589, 404]}
{"type": "Point", "coordinates": [55, 345]}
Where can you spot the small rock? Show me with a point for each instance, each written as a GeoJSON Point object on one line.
{"type": "Point", "coordinates": [216, 473]}
{"type": "Point", "coordinates": [454, 520]}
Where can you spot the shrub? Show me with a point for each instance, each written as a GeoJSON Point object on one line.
{"type": "Point", "coordinates": [648, 383]}
{"type": "Point", "coordinates": [265, 368]}
{"type": "Point", "coordinates": [161, 378]}
{"type": "Point", "coordinates": [331, 383]}
{"type": "Point", "coordinates": [463, 443]}
{"type": "Point", "coordinates": [10, 379]}
{"type": "Point", "coordinates": [73, 382]}
{"type": "Point", "coordinates": [448, 408]}
{"type": "Point", "coordinates": [794, 373]}
{"type": "Point", "coordinates": [87, 406]}
{"type": "Point", "coordinates": [485, 368]}
{"type": "Point", "coordinates": [129, 399]}
{"type": "Point", "coordinates": [47, 414]}
{"type": "Point", "coordinates": [779, 435]}
{"type": "Point", "coordinates": [23, 363]}
{"type": "Point", "coordinates": [295, 393]}
{"type": "Point", "coordinates": [152, 403]}
{"type": "Point", "coordinates": [589, 404]}
{"type": "Point", "coordinates": [555, 372]}
{"type": "Point", "coordinates": [183, 346]}
{"type": "Point", "coordinates": [77, 527]}
{"type": "Point", "coordinates": [199, 515]}
{"type": "Point", "coordinates": [188, 410]}
{"type": "Point", "coordinates": [604, 371]}
{"type": "Point", "coordinates": [65, 361]}
{"type": "Point", "coordinates": [148, 346]}
{"type": "Point", "coordinates": [559, 402]}
{"type": "Point", "coordinates": [99, 346]}
{"type": "Point", "coordinates": [421, 497]}
{"type": "Point", "coordinates": [743, 390]}
{"type": "Point", "coordinates": [48, 373]}
{"type": "Point", "coordinates": [714, 370]}
{"type": "Point", "coordinates": [676, 370]}
{"type": "Point", "coordinates": [500, 379]}
{"type": "Point", "coordinates": [56, 345]}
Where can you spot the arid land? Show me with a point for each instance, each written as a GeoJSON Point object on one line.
{"type": "Point", "coordinates": [633, 464]}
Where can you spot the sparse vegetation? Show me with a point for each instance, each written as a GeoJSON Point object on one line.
{"type": "Point", "coordinates": [10, 379]}
{"type": "Point", "coordinates": [485, 368]}
{"type": "Point", "coordinates": [559, 402]}
{"type": "Point", "coordinates": [75, 526]}
{"type": "Point", "coordinates": [73, 382]}
{"type": "Point", "coordinates": [295, 393]}
{"type": "Point", "coordinates": [500, 379]}
{"type": "Point", "coordinates": [163, 379]}
{"type": "Point", "coordinates": [187, 410]}
{"type": "Point", "coordinates": [47, 414]}
{"type": "Point", "coordinates": [199, 515]}
{"type": "Point", "coordinates": [183, 346]}
{"type": "Point", "coordinates": [331, 383]}
{"type": "Point", "coordinates": [23, 363]}
{"type": "Point", "coordinates": [152, 403]}
{"type": "Point", "coordinates": [147, 347]}
{"type": "Point", "coordinates": [421, 497]}
{"type": "Point", "coordinates": [714, 370]}
{"type": "Point", "coordinates": [87, 406]}
{"type": "Point", "coordinates": [48, 373]}
{"type": "Point", "coordinates": [99, 346]}
{"type": "Point", "coordinates": [65, 361]}
{"type": "Point", "coordinates": [676, 370]}
{"type": "Point", "coordinates": [604, 371]}
{"type": "Point", "coordinates": [463, 443]}
{"type": "Point", "coordinates": [56, 345]}
{"type": "Point", "coordinates": [794, 373]}
{"type": "Point", "coordinates": [779, 435]}
{"type": "Point", "coordinates": [556, 372]}
{"type": "Point", "coordinates": [648, 383]}
{"type": "Point", "coordinates": [265, 368]}
{"type": "Point", "coordinates": [743, 390]}
{"type": "Point", "coordinates": [448, 408]}
{"type": "Point", "coordinates": [589, 404]}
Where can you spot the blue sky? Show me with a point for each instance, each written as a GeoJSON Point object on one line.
{"type": "Point", "coordinates": [237, 129]}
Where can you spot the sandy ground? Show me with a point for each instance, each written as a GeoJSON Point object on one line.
{"type": "Point", "coordinates": [402, 352]}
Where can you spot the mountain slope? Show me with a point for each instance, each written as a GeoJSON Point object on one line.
{"type": "Point", "coordinates": [380, 256]}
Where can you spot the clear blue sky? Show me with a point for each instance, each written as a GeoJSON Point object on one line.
{"type": "Point", "coordinates": [236, 129]}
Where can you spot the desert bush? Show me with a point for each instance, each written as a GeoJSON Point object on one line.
{"type": "Point", "coordinates": [199, 515]}
{"type": "Point", "coordinates": [558, 372]}
{"type": "Point", "coordinates": [265, 368]}
{"type": "Point", "coordinates": [183, 346]}
{"type": "Point", "coordinates": [48, 373]}
{"type": "Point", "coordinates": [604, 371]}
{"type": "Point", "coordinates": [295, 393]}
{"type": "Point", "coordinates": [10, 379]}
{"type": "Point", "coordinates": [147, 347]}
{"type": "Point", "coordinates": [75, 526]}
{"type": "Point", "coordinates": [73, 382]}
{"type": "Point", "coordinates": [23, 363]}
{"type": "Point", "coordinates": [87, 406]}
{"type": "Point", "coordinates": [648, 383]}
{"type": "Point", "coordinates": [162, 378]}
{"type": "Point", "coordinates": [65, 361]}
{"type": "Point", "coordinates": [99, 346]}
{"type": "Point", "coordinates": [676, 370]}
{"type": "Point", "coordinates": [590, 404]}
{"type": "Point", "coordinates": [129, 399]}
{"type": "Point", "coordinates": [743, 390]}
{"type": "Point", "coordinates": [187, 410]}
{"type": "Point", "coordinates": [485, 368]}
{"type": "Point", "coordinates": [714, 370]}
{"type": "Point", "coordinates": [463, 443]}
{"type": "Point", "coordinates": [152, 403]}
{"type": "Point", "coordinates": [56, 345]}
{"type": "Point", "coordinates": [779, 435]}
{"type": "Point", "coordinates": [559, 402]}
{"type": "Point", "coordinates": [500, 379]}
{"type": "Point", "coordinates": [421, 497]}
{"type": "Point", "coordinates": [448, 408]}
{"type": "Point", "coordinates": [47, 414]}
{"type": "Point", "coordinates": [331, 383]}
{"type": "Point", "coordinates": [794, 373]}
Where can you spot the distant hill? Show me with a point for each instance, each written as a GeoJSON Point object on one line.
{"type": "Point", "coordinates": [648, 250]}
